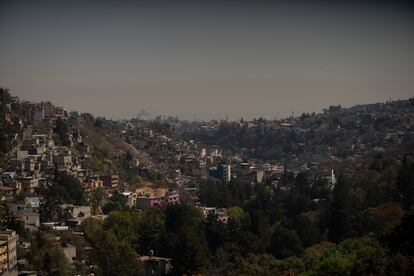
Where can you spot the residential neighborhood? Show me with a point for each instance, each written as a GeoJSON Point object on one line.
{"type": "Point", "coordinates": [65, 173]}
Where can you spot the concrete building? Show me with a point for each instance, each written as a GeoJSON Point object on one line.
{"type": "Point", "coordinates": [254, 176]}
{"type": "Point", "coordinates": [156, 266]}
{"type": "Point", "coordinates": [110, 180]}
{"type": "Point", "coordinates": [33, 202]}
{"type": "Point", "coordinates": [79, 213]}
{"type": "Point", "coordinates": [92, 183]}
{"type": "Point", "coordinates": [146, 202]}
{"type": "Point", "coordinates": [29, 183]}
{"type": "Point", "coordinates": [63, 159]}
{"type": "Point", "coordinates": [10, 237]}
{"type": "Point", "coordinates": [131, 198]}
{"type": "Point", "coordinates": [170, 197]}
{"type": "Point", "coordinates": [3, 256]}
{"type": "Point", "coordinates": [28, 215]}
{"type": "Point", "coordinates": [69, 251]}
{"type": "Point", "coordinates": [222, 172]}
{"type": "Point", "coordinates": [220, 212]}
{"type": "Point", "coordinates": [9, 181]}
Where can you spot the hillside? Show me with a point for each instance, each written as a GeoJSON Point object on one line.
{"type": "Point", "coordinates": [110, 154]}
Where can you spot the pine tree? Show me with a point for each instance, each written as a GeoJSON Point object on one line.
{"type": "Point", "coordinates": [340, 216]}
{"type": "Point", "coordinates": [405, 183]}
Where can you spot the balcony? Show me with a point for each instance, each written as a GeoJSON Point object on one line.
{"type": "Point", "coordinates": [3, 258]}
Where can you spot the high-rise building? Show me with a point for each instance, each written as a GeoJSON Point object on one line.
{"type": "Point", "coordinates": [222, 172]}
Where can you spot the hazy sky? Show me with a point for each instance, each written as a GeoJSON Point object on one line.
{"type": "Point", "coordinates": [238, 59]}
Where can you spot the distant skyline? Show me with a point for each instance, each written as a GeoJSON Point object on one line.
{"type": "Point", "coordinates": [209, 58]}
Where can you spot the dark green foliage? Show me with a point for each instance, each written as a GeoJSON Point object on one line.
{"type": "Point", "coordinates": [268, 221]}
{"type": "Point", "coordinates": [5, 144]}
{"type": "Point", "coordinates": [405, 183]}
{"type": "Point", "coordinates": [218, 194]}
{"type": "Point", "coordinates": [46, 257]}
{"type": "Point", "coordinates": [65, 190]}
{"type": "Point", "coordinates": [50, 209]}
{"type": "Point", "coordinates": [128, 156]}
{"type": "Point", "coordinates": [277, 227]}
{"type": "Point", "coordinates": [285, 243]}
{"type": "Point", "coordinates": [115, 257]}
{"type": "Point", "coordinates": [296, 203]}
{"type": "Point", "coordinates": [216, 232]}
{"type": "Point", "coordinates": [189, 249]}
{"type": "Point", "coordinates": [96, 199]}
{"type": "Point", "coordinates": [5, 130]}
{"type": "Point", "coordinates": [361, 257]}
{"type": "Point", "coordinates": [61, 130]}
{"type": "Point", "coordinates": [255, 264]}
{"type": "Point", "coordinates": [402, 238]}
{"type": "Point", "coordinates": [185, 239]}
{"type": "Point", "coordinates": [116, 202]}
{"type": "Point", "coordinates": [340, 213]}
{"type": "Point", "coordinates": [71, 189]}
{"type": "Point", "coordinates": [307, 231]}
{"type": "Point", "coordinates": [151, 231]}
{"type": "Point", "coordinates": [122, 225]}
{"type": "Point", "coordinates": [8, 220]}
{"type": "Point", "coordinates": [5, 96]}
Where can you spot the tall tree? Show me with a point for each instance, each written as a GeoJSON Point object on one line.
{"type": "Point", "coordinates": [402, 239]}
{"type": "Point", "coordinates": [61, 130]}
{"type": "Point", "coordinates": [185, 239]}
{"type": "Point", "coordinates": [151, 228]}
{"type": "Point", "coordinates": [340, 215]}
{"type": "Point", "coordinates": [285, 243]}
{"type": "Point", "coordinates": [113, 256]}
{"type": "Point", "coordinates": [405, 183]}
{"type": "Point", "coordinates": [96, 199]}
{"type": "Point", "coordinates": [307, 230]}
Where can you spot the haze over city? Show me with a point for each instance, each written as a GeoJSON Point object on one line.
{"type": "Point", "coordinates": [214, 59]}
{"type": "Point", "coordinates": [215, 137]}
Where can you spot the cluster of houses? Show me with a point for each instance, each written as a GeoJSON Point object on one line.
{"type": "Point", "coordinates": [168, 149]}
{"type": "Point", "coordinates": [336, 133]}
{"type": "Point", "coordinates": [183, 159]}
{"type": "Point", "coordinates": [33, 162]}
{"type": "Point", "coordinates": [36, 157]}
